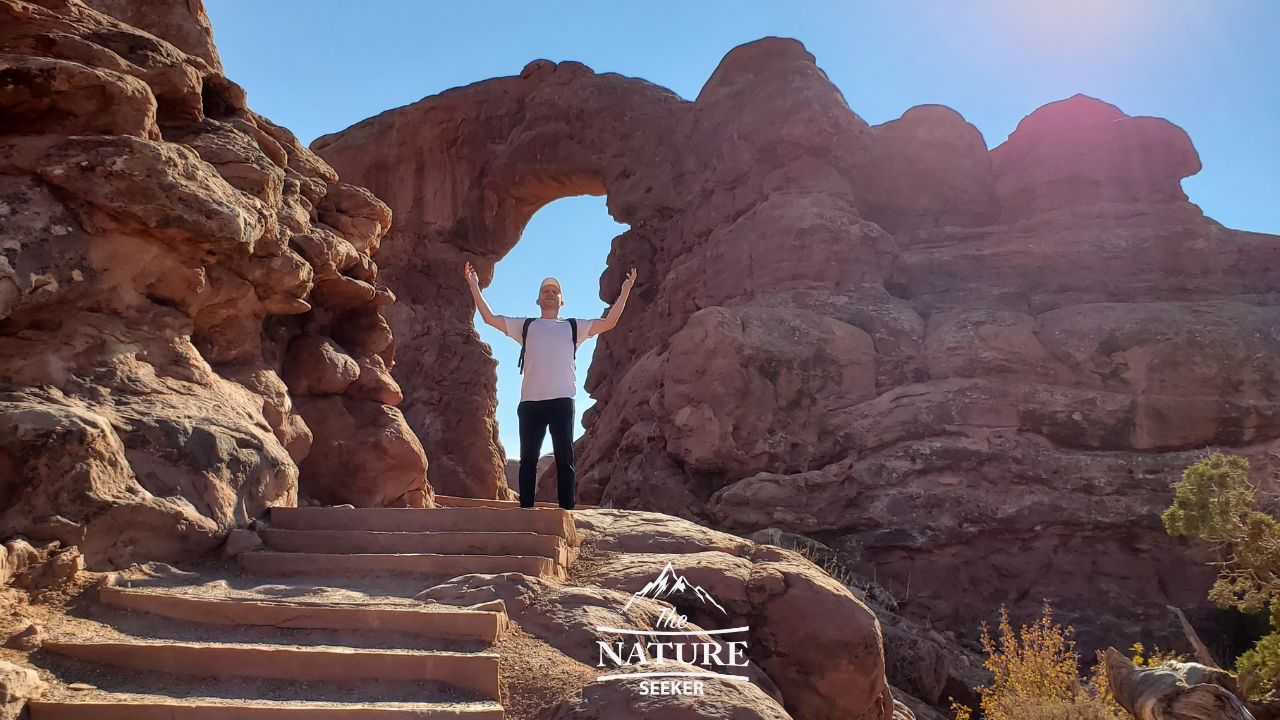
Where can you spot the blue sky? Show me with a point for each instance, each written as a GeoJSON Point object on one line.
{"type": "Point", "coordinates": [317, 66]}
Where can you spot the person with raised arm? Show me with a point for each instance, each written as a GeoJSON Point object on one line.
{"type": "Point", "coordinates": [549, 345]}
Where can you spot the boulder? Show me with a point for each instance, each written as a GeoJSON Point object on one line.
{"type": "Point", "coordinates": [364, 454]}
{"type": "Point", "coordinates": [28, 638]}
{"type": "Point", "coordinates": [240, 541]}
{"type": "Point", "coordinates": [814, 640]}
{"type": "Point", "coordinates": [17, 685]}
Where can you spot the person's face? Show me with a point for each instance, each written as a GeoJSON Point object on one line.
{"type": "Point", "coordinates": [549, 297]}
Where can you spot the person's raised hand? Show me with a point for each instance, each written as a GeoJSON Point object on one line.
{"type": "Point", "coordinates": [470, 273]}
{"type": "Point", "coordinates": [629, 282]}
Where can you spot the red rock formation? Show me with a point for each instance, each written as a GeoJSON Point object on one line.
{"type": "Point", "coordinates": [812, 645]}
{"type": "Point", "coordinates": [166, 254]}
{"type": "Point", "coordinates": [481, 210]}
{"type": "Point", "coordinates": [977, 371]}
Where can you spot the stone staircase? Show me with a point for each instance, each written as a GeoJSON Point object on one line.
{"type": "Point", "coordinates": [445, 542]}
{"type": "Point", "coordinates": [232, 647]}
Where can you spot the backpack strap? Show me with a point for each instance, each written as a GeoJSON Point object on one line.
{"type": "Point", "coordinates": [524, 338]}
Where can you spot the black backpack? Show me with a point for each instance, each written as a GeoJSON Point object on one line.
{"type": "Point", "coordinates": [524, 338]}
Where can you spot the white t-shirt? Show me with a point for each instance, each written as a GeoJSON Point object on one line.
{"type": "Point", "coordinates": [549, 367]}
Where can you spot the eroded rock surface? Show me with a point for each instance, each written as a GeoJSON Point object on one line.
{"type": "Point", "coordinates": [185, 294]}
{"type": "Point", "coordinates": [815, 650]}
{"type": "Point", "coordinates": [976, 371]}
{"type": "Point", "coordinates": [17, 684]}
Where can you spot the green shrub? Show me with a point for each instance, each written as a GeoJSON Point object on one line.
{"type": "Point", "coordinates": [1215, 502]}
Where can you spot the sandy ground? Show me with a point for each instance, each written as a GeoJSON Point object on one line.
{"type": "Point", "coordinates": [536, 676]}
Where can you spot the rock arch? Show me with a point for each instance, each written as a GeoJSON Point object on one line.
{"type": "Point", "coordinates": [975, 371]}
{"type": "Point", "coordinates": [951, 363]}
{"type": "Point", "coordinates": [467, 170]}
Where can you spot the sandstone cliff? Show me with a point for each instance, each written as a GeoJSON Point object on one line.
{"type": "Point", "coordinates": [976, 371]}
{"type": "Point", "coordinates": [191, 322]}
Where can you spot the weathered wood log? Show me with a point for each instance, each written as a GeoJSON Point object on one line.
{"type": "Point", "coordinates": [1260, 709]}
{"type": "Point", "coordinates": [1173, 691]}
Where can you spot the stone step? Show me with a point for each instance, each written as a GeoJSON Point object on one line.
{"type": "Point", "coordinates": [437, 543]}
{"type": "Point", "coordinates": [545, 521]}
{"type": "Point", "coordinates": [131, 707]}
{"type": "Point", "coordinates": [469, 624]}
{"type": "Point", "coordinates": [450, 566]}
{"type": "Point", "coordinates": [471, 672]}
{"type": "Point", "coordinates": [455, 501]}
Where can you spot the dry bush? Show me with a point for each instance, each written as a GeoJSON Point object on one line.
{"type": "Point", "coordinates": [1156, 657]}
{"type": "Point", "coordinates": [1034, 676]}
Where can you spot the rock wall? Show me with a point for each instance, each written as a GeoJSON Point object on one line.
{"type": "Point", "coordinates": [191, 322]}
{"type": "Point", "coordinates": [977, 371]}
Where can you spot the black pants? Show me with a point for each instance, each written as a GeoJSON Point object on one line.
{"type": "Point", "coordinates": [535, 417]}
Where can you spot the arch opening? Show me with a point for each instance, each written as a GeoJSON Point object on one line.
{"type": "Point", "coordinates": [568, 238]}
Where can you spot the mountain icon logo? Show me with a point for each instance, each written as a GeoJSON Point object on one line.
{"type": "Point", "coordinates": [668, 583]}
{"type": "Point", "coordinates": [658, 657]}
